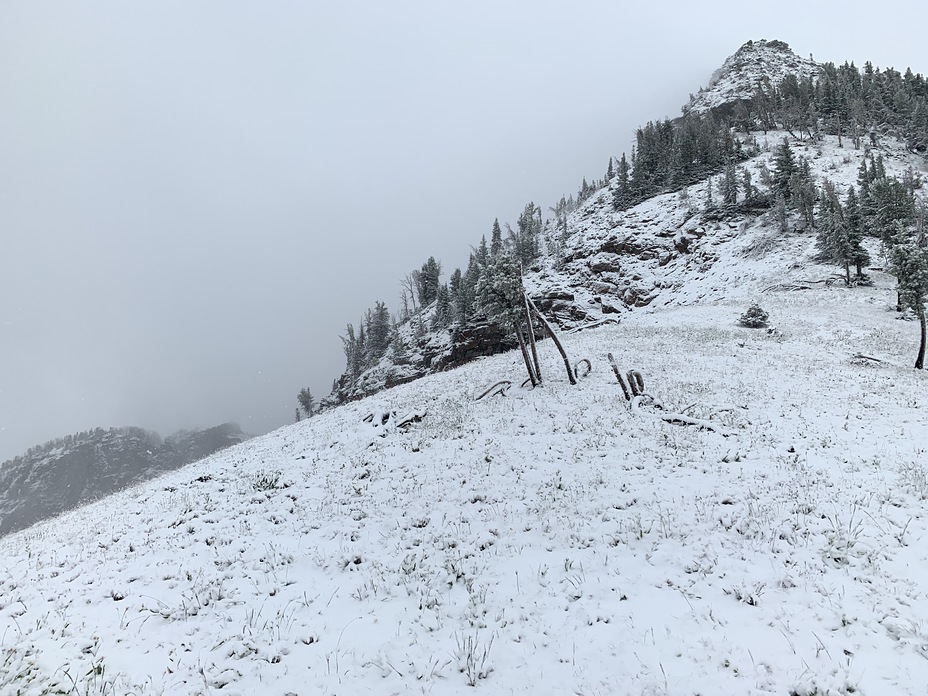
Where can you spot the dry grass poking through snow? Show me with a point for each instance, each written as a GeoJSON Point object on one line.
{"type": "Point", "coordinates": [547, 541]}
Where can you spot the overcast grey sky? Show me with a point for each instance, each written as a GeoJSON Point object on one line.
{"type": "Point", "coordinates": [197, 196]}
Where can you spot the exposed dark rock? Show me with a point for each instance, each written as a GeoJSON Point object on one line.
{"type": "Point", "coordinates": [605, 263]}
{"type": "Point", "coordinates": [601, 287]}
{"type": "Point", "coordinates": [474, 341]}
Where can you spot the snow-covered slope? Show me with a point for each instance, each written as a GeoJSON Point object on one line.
{"type": "Point", "coordinates": [548, 541]}
{"type": "Point", "coordinates": [668, 251]}
{"type": "Point", "coordinates": [755, 64]}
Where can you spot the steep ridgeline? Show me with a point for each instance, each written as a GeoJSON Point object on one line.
{"type": "Point", "coordinates": [741, 175]}
{"type": "Point", "coordinates": [70, 471]}
{"type": "Point", "coordinates": [756, 66]}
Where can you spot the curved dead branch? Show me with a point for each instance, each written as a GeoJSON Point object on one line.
{"type": "Point", "coordinates": [500, 388]}
{"type": "Point", "coordinates": [589, 368]}
{"type": "Point", "coordinates": [413, 417]}
{"type": "Point", "coordinates": [636, 382]}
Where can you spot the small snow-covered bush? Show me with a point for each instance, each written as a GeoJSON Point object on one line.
{"type": "Point", "coordinates": [914, 477]}
{"type": "Point", "coordinates": [754, 318]}
{"type": "Point", "coordinates": [266, 480]}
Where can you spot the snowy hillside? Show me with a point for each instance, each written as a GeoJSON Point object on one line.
{"type": "Point", "coordinates": [545, 541]}
{"type": "Point", "coordinates": [668, 251]}
{"type": "Point", "coordinates": [755, 64]}
{"type": "Point", "coordinates": [558, 540]}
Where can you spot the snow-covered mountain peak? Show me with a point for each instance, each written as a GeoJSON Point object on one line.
{"type": "Point", "coordinates": [754, 64]}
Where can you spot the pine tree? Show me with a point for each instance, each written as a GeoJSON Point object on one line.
{"type": "Point", "coordinates": [909, 260]}
{"type": "Point", "coordinates": [499, 291]}
{"type": "Point", "coordinates": [890, 206]}
{"type": "Point", "coordinates": [728, 186]}
{"type": "Point", "coordinates": [427, 279]}
{"type": "Point", "coordinates": [802, 192]}
{"type": "Point", "coordinates": [444, 314]}
{"type": "Point", "coordinates": [621, 197]}
{"type": "Point", "coordinates": [377, 324]}
{"type": "Point", "coordinates": [855, 228]}
{"type": "Point", "coordinates": [458, 299]}
{"type": "Point", "coordinates": [501, 299]}
{"type": "Point", "coordinates": [526, 241]}
{"type": "Point", "coordinates": [399, 349]}
{"type": "Point", "coordinates": [479, 258]}
{"type": "Point", "coordinates": [784, 167]}
{"type": "Point", "coordinates": [747, 185]}
{"type": "Point", "coordinates": [781, 213]}
{"type": "Point", "coordinates": [307, 403]}
{"type": "Point", "coordinates": [496, 239]}
{"type": "Point", "coordinates": [353, 347]}
{"type": "Point", "coordinates": [834, 238]}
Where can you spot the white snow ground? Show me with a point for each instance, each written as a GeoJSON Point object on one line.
{"type": "Point", "coordinates": [549, 541]}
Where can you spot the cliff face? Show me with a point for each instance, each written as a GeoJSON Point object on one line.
{"type": "Point", "coordinates": [74, 470]}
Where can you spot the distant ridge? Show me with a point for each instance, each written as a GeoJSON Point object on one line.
{"type": "Point", "coordinates": [86, 466]}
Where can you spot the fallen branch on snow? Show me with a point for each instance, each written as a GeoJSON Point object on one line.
{"type": "Point", "coordinates": [676, 418]}
{"type": "Point", "coordinates": [861, 356]}
{"type": "Point", "coordinates": [591, 325]}
{"type": "Point", "coordinates": [500, 388]}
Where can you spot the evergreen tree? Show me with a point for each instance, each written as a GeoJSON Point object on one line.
{"type": "Point", "coordinates": [307, 403]}
{"type": "Point", "coordinates": [499, 291]}
{"type": "Point", "coordinates": [879, 168]}
{"type": "Point", "coordinates": [863, 182]}
{"type": "Point", "coordinates": [621, 197]}
{"type": "Point", "coordinates": [747, 185]}
{"type": "Point", "coordinates": [784, 168]}
{"type": "Point", "coordinates": [444, 313]}
{"type": "Point", "coordinates": [834, 240]}
{"type": "Point", "coordinates": [353, 347]}
{"type": "Point", "coordinates": [496, 239]}
{"type": "Point", "coordinates": [802, 192]}
{"type": "Point", "coordinates": [728, 186]}
{"type": "Point", "coordinates": [427, 279]}
{"type": "Point", "coordinates": [482, 252]}
{"type": "Point", "coordinates": [855, 227]}
{"type": "Point", "coordinates": [399, 349]}
{"type": "Point", "coordinates": [526, 242]}
{"type": "Point", "coordinates": [909, 260]}
{"type": "Point", "coordinates": [501, 299]}
{"type": "Point", "coordinates": [781, 213]}
{"type": "Point", "coordinates": [458, 298]}
{"type": "Point", "coordinates": [890, 207]}
{"type": "Point", "coordinates": [377, 324]}
{"type": "Point", "coordinates": [479, 258]}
